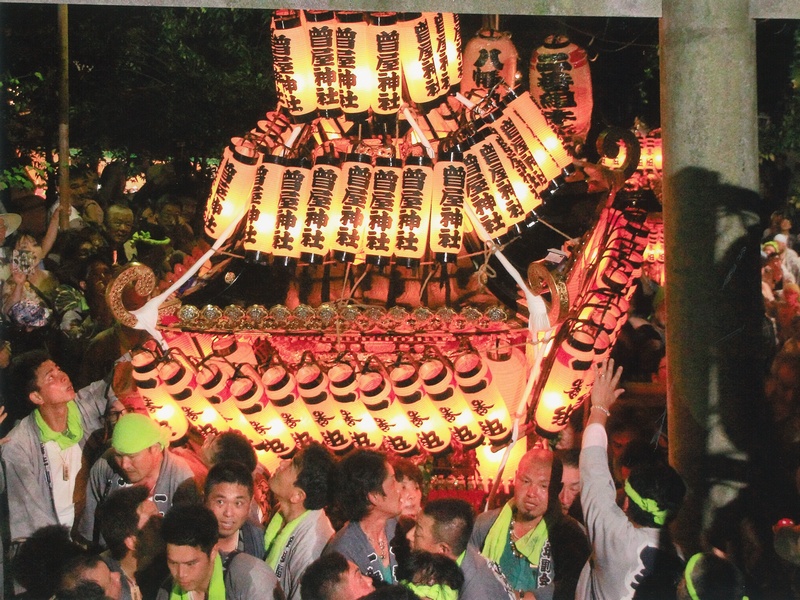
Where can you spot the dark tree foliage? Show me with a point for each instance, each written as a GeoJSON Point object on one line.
{"type": "Point", "coordinates": [152, 82]}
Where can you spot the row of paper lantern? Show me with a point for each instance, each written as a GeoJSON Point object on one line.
{"type": "Point", "coordinates": [403, 408]}
{"type": "Point", "coordinates": [357, 206]}
{"type": "Point", "coordinates": [611, 261]}
{"type": "Point", "coordinates": [331, 62]}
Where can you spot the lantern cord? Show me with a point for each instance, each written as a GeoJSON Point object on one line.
{"type": "Point", "coordinates": [358, 283]}
{"type": "Point", "coordinates": [558, 231]}
{"type": "Point", "coordinates": [425, 283]}
{"type": "Point", "coordinates": [415, 126]}
{"type": "Point", "coordinates": [344, 280]}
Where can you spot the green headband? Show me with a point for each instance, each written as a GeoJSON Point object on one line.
{"type": "Point", "coordinates": [646, 504]}
{"type": "Point", "coordinates": [687, 576]}
{"type": "Point", "coordinates": [134, 433]}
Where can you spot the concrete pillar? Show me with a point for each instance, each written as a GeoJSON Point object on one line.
{"type": "Point", "coordinates": [708, 116]}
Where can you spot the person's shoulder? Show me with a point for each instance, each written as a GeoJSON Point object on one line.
{"type": "Point", "coordinates": [245, 566]}
{"type": "Point", "coordinates": [20, 439]}
{"type": "Point", "coordinates": [490, 516]}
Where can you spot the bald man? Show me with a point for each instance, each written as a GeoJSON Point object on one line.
{"type": "Point", "coordinates": [540, 550]}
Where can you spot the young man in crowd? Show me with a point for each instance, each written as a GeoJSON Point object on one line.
{"type": "Point", "coordinates": [300, 529]}
{"type": "Point", "coordinates": [43, 456]}
{"type": "Point", "coordinates": [369, 496]}
{"type": "Point", "coordinates": [570, 494]}
{"type": "Point", "coordinates": [131, 526]}
{"type": "Point", "coordinates": [444, 527]}
{"type": "Point", "coordinates": [539, 549]}
{"type": "Point", "coordinates": [228, 494]}
{"type": "Point", "coordinates": [191, 533]}
{"type": "Point", "coordinates": [333, 577]}
{"type": "Point", "coordinates": [629, 553]}
{"type": "Point", "coordinates": [138, 456]}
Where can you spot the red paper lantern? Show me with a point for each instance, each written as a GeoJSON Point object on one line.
{"type": "Point", "coordinates": [561, 83]}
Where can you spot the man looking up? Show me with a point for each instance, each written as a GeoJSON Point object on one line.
{"type": "Point", "coordinates": [444, 527]}
{"type": "Point", "coordinates": [629, 555]}
{"type": "Point", "coordinates": [369, 496]}
{"type": "Point", "coordinates": [198, 571]}
{"type": "Point", "coordinates": [138, 456]}
{"type": "Point", "coordinates": [298, 532]}
{"type": "Point", "coordinates": [43, 456]}
{"type": "Point", "coordinates": [538, 548]}
{"type": "Point", "coordinates": [228, 494]}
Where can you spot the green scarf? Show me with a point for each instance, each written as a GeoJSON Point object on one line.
{"type": "Point", "coordinates": [275, 538]}
{"type": "Point", "coordinates": [216, 589]}
{"type": "Point", "coordinates": [530, 545]}
{"type": "Point", "coordinates": [433, 592]}
{"type": "Point", "coordinates": [74, 432]}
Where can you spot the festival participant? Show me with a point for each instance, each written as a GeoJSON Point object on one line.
{"type": "Point", "coordinates": [570, 493]}
{"type": "Point", "coordinates": [369, 496]}
{"type": "Point", "coordinates": [708, 576]}
{"type": "Point", "coordinates": [43, 455]}
{"type": "Point", "coordinates": [131, 526]}
{"type": "Point", "coordinates": [300, 529]}
{"type": "Point", "coordinates": [333, 577]}
{"type": "Point", "coordinates": [198, 571]}
{"type": "Point", "coordinates": [85, 567]}
{"type": "Point", "coordinates": [229, 494]}
{"type": "Point", "coordinates": [138, 456]}
{"type": "Point", "coordinates": [629, 555]}
{"type": "Point", "coordinates": [539, 549]}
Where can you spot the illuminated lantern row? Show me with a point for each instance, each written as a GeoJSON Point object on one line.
{"type": "Point", "coordinates": [561, 84]}
{"type": "Point", "coordinates": [406, 408]}
{"type": "Point", "coordinates": [588, 334]}
{"type": "Point", "coordinates": [333, 62]}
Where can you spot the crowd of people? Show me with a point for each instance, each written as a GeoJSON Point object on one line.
{"type": "Point", "coordinates": [100, 505]}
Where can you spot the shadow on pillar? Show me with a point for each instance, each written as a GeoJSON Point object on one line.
{"type": "Point", "coordinates": [721, 439]}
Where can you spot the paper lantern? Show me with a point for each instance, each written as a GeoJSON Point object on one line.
{"type": "Point", "coordinates": [213, 383]}
{"type": "Point", "coordinates": [293, 72]}
{"type": "Point", "coordinates": [417, 57]}
{"type": "Point", "coordinates": [489, 58]}
{"type": "Point", "coordinates": [433, 432]}
{"type": "Point", "coordinates": [441, 58]}
{"type": "Point", "coordinates": [259, 231]}
{"type": "Point", "coordinates": [496, 167]}
{"type": "Point", "coordinates": [344, 388]}
{"type": "Point", "coordinates": [439, 383]}
{"type": "Point", "coordinates": [235, 349]}
{"type": "Point", "coordinates": [480, 196]}
{"type": "Point", "coordinates": [179, 382]}
{"type": "Point", "coordinates": [230, 193]}
{"type": "Point", "coordinates": [376, 393]}
{"type": "Point", "coordinates": [321, 30]}
{"type": "Point", "coordinates": [520, 107]}
{"type": "Point", "coordinates": [356, 77]}
{"type": "Point", "coordinates": [160, 405]}
{"type": "Point", "coordinates": [384, 50]}
{"type": "Point", "coordinates": [452, 33]}
{"type": "Point", "coordinates": [166, 412]}
{"type": "Point", "coordinates": [272, 132]}
{"type": "Point", "coordinates": [349, 224]}
{"type": "Point", "coordinates": [312, 383]}
{"type": "Point", "coordinates": [324, 201]}
{"type": "Point", "coordinates": [490, 457]}
{"type": "Point", "coordinates": [415, 211]}
{"type": "Point", "coordinates": [248, 393]}
{"type": "Point", "coordinates": [447, 205]}
{"type": "Point", "coordinates": [290, 215]}
{"type": "Point", "coordinates": [561, 84]}
{"type": "Point", "coordinates": [280, 387]}
{"type": "Point", "coordinates": [384, 211]}
{"type": "Point", "coordinates": [483, 397]}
